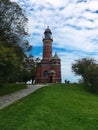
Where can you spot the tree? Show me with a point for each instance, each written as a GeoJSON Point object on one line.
{"type": "Point", "coordinates": [12, 24]}
{"type": "Point", "coordinates": [13, 44]}
{"type": "Point", "coordinates": [29, 68]}
{"type": "Point", "coordinates": [12, 34]}
{"type": "Point", "coordinates": [88, 69]}
{"type": "Point", "coordinates": [9, 65]}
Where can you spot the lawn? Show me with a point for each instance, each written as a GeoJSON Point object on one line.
{"type": "Point", "coordinates": [10, 88]}
{"type": "Point", "coordinates": [55, 107]}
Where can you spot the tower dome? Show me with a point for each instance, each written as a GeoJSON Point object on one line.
{"type": "Point", "coordinates": [47, 34]}
{"type": "Point", "coordinates": [47, 30]}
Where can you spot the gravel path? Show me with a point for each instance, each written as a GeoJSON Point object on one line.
{"type": "Point", "coordinates": [9, 99]}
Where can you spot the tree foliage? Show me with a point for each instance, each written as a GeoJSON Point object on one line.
{"type": "Point", "coordinates": [12, 23]}
{"type": "Point", "coordinates": [29, 68]}
{"type": "Point", "coordinates": [13, 43]}
{"type": "Point", "coordinates": [88, 69]}
{"type": "Point", "coordinates": [9, 65]}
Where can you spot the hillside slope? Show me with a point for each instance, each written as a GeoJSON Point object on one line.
{"type": "Point", "coordinates": [56, 107]}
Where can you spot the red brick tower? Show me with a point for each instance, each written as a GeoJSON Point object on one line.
{"type": "Point", "coordinates": [47, 44]}
{"type": "Point", "coordinates": [49, 69]}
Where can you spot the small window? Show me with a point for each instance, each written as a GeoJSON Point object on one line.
{"type": "Point", "coordinates": [45, 74]}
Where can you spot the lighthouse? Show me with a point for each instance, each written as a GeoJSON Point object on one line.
{"type": "Point", "coordinates": [49, 69]}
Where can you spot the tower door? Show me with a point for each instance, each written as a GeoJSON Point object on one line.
{"type": "Point", "coordinates": [51, 79]}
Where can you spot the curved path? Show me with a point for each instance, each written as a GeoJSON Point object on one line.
{"type": "Point", "coordinates": [9, 99]}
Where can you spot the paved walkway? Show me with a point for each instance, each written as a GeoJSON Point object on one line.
{"type": "Point", "coordinates": [9, 99]}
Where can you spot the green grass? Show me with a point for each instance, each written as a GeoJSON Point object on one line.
{"type": "Point", "coordinates": [56, 107]}
{"type": "Point", "coordinates": [10, 88]}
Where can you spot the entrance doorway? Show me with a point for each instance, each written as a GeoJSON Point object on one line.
{"type": "Point", "coordinates": [51, 79]}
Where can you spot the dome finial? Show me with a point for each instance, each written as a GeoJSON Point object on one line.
{"type": "Point", "coordinates": [47, 27]}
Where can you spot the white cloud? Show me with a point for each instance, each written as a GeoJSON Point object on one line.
{"type": "Point", "coordinates": [93, 4]}
{"type": "Point", "coordinates": [57, 3]}
{"type": "Point", "coordinates": [14, 0]}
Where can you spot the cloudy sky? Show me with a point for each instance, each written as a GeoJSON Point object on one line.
{"type": "Point", "coordinates": [74, 26]}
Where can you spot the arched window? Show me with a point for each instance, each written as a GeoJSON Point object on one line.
{"type": "Point", "coordinates": [45, 74]}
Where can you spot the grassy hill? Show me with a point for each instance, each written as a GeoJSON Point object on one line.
{"type": "Point", "coordinates": [55, 107]}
